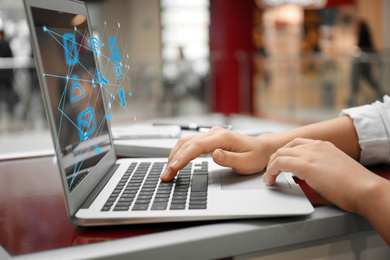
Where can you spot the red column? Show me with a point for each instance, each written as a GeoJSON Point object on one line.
{"type": "Point", "coordinates": [231, 48]}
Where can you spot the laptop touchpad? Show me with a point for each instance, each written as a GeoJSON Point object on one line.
{"type": "Point", "coordinates": [231, 180]}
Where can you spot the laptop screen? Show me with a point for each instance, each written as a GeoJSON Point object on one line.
{"type": "Point", "coordinates": [74, 87]}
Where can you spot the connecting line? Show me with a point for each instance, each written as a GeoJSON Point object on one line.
{"type": "Point", "coordinates": [71, 53]}
{"type": "Point", "coordinates": [63, 97]}
{"type": "Point", "coordinates": [119, 83]}
{"type": "Point", "coordinates": [85, 80]}
{"type": "Point", "coordinates": [76, 171]}
{"type": "Point", "coordinates": [120, 103]}
{"type": "Point", "coordinates": [79, 163]}
{"type": "Point", "coordinates": [96, 98]}
{"type": "Point", "coordinates": [104, 28]}
{"type": "Point", "coordinates": [51, 32]}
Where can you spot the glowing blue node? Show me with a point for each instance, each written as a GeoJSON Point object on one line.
{"type": "Point", "coordinates": [98, 150]}
{"type": "Point", "coordinates": [119, 25]}
{"type": "Point", "coordinates": [44, 28]}
{"type": "Point", "coordinates": [54, 159]}
{"type": "Point", "coordinates": [130, 94]}
{"type": "Point", "coordinates": [122, 95]}
{"type": "Point", "coordinates": [108, 116]}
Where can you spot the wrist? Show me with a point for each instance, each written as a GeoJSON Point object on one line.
{"type": "Point", "coordinates": [268, 144]}
{"type": "Point", "coordinates": [371, 193]}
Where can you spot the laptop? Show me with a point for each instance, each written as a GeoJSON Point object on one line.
{"type": "Point", "coordinates": [100, 189]}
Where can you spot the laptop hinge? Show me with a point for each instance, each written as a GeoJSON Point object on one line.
{"type": "Point", "coordinates": [95, 192]}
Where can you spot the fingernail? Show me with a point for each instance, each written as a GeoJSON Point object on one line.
{"type": "Point", "coordinates": [221, 156]}
{"type": "Point", "coordinates": [266, 178]}
{"type": "Point", "coordinates": [166, 172]}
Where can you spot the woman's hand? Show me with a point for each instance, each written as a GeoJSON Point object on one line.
{"type": "Point", "coordinates": [245, 154]}
{"type": "Point", "coordinates": [336, 176]}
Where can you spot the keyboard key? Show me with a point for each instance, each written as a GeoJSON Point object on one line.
{"type": "Point", "coordinates": [197, 207]}
{"type": "Point", "coordinates": [147, 193]}
{"type": "Point", "coordinates": [199, 183]}
{"type": "Point", "coordinates": [177, 206]}
{"type": "Point", "coordinates": [166, 184]}
{"type": "Point", "coordinates": [198, 193]}
{"type": "Point", "coordinates": [125, 195]}
{"type": "Point", "coordinates": [198, 202]}
{"type": "Point", "coordinates": [140, 206]}
{"type": "Point", "coordinates": [125, 199]}
{"type": "Point", "coordinates": [149, 186]}
{"type": "Point", "coordinates": [162, 195]}
{"type": "Point", "coordinates": [163, 191]}
{"type": "Point", "coordinates": [121, 208]}
{"type": "Point", "coordinates": [144, 197]}
{"type": "Point", "coordinates": [161, 199]}
{"type": "Point", "coordinates": [142, 201]}
{"type": "Point", "coordinates": [200, 198]}
{"type": "Point", "coordinates": [164, 188]}
{"type": "Point", "coordinates": [178, 201]}
{"type": "Point", "coordinates": [123, 204]}
{"type": "Point", "coordinates": [159, 206]}
{"type": "Point", "coordinates": [180, 193]}
{"type": "Point", "coordinates": [179, 197]}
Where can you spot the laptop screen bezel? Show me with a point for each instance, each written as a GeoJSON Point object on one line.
{"type": "Point", "coordinates": [78, 195]}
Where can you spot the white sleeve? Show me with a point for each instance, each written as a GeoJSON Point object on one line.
{"type": "Point", "coordinates": [372, 124]}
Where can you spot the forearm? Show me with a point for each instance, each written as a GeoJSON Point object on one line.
{"type": "Point", "coordinates": [340, 131]}
{"type": "Point", "coordinates": [373, 203]}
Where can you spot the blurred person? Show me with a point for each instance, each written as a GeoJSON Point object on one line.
{"type": "Point", "coordinates": [361, 67]}
{"type": "Point", "coordinates": [7, 93]}
{"type": "Point", "coordinates": [329, 156]}
{"type": "Point", "coordinates": [180, 82]}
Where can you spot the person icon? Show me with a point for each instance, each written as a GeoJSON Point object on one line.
{"type": "Point", "coordinates": [77, 91]}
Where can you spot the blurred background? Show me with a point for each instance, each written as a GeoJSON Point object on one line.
{"type": "Point", "coordinates": [302, 61]}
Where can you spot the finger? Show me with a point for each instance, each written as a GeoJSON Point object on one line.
{"type": "Point", "coordinates": [294, 151]}
{"type": "Point", "coordinates": [177, 146]}
{"type": "Point", "coordinates": [241, 163]}
{"type": "Point", "coordinates": [195, 147]}
{"type": "Point", "coordinates": [282, 164]}
{"type": "Point", "coordinates": [184, 140]}
{"type": "Point", "coordinates": [298, 141]}
{"type": "Point", "coordinates": [187, 152]}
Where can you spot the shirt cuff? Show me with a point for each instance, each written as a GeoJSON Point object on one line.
{"type": "Point", "coordinates": [372, 132]}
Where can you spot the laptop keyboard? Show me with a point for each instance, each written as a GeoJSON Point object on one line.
{"type": "Point", "coordinates": [140, 188]}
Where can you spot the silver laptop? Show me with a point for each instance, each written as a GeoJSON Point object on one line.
{"type": "Point", "coordinates": [98, 188]}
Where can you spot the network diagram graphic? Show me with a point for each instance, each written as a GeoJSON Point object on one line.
{"type": "Point", "coordinates": [110, 77]}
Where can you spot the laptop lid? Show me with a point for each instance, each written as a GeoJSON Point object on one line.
{"type": "Point", "coordinates": [73, 97]}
